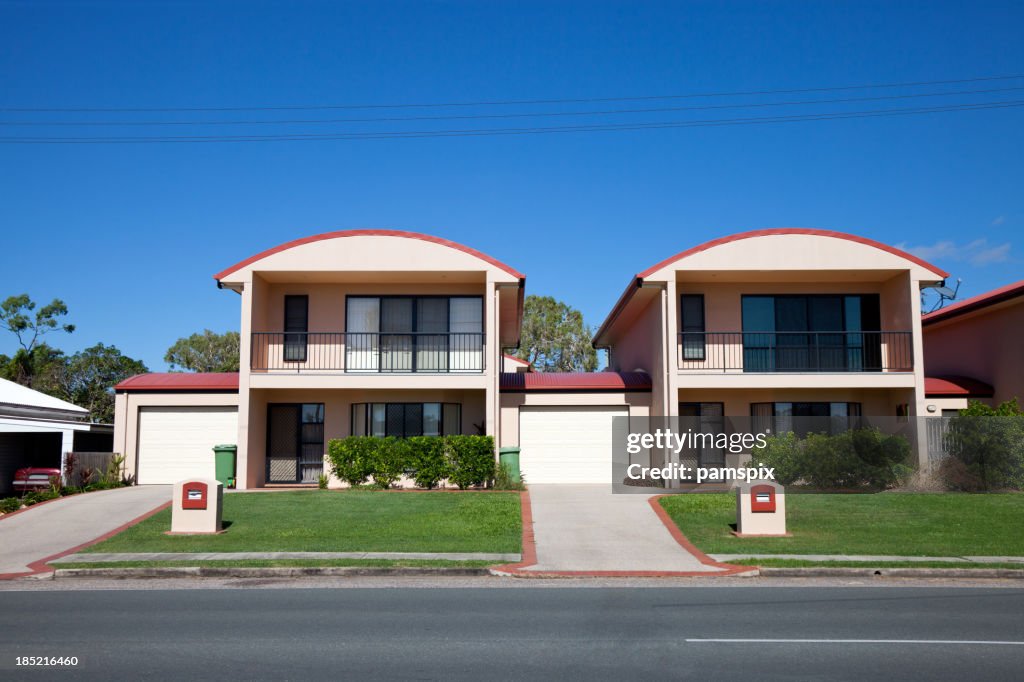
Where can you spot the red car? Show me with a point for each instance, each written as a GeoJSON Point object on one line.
{"type": "Point", "coordinates": [34, 478]}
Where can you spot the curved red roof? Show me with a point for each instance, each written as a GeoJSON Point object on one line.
{"type": "Point", "coordinates": [180, 381]}
{"type": "Point", "coordinates": [575, 381]}
{"type": "Point", "coordinates": [956, 387]}
{"type": "Point", "coordinates": [975, 303]}
{"type": "Point", "coordinates": [793, 230]}
{"type": "Point", "coordinates": [369, 233]}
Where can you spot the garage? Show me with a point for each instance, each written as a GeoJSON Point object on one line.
{"type": "Point", "coordinates": [567, 444]}
{"type": "Point", "coordinates": [177, 442]}
{"type": "Point", "coordinates": [167, 424]}
{"type": "Point", "coordinates": [563, 422]}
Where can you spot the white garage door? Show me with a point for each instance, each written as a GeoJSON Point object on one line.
{"type": "Point", "coordinates": [177, 442]}
{"type": "Point", "coordinates": [567, 444]}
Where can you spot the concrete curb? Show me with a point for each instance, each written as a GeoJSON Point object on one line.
{"type": "Point", "coordinates": [868, 572]}
{"type": "Point", "coordinates": [266, 572]}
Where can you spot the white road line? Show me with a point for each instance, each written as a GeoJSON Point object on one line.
{"type": "Point", "coordinates": [857, 641]}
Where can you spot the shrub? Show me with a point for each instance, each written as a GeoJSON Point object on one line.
{"type": "Point", "coordinates": [427, 460]}
{"type": "Point", "coordinates": [322, 481]}
{"type": "Point", "coordinates": [783, 453]}
{"type": "Point", "coordinates": [503, 479]}
{"type": "Point", "coordinates": [860, 458]}
{"type": "Point", "coordinates": [352, 458]}
{"type": "Point", "coordinates": [113, 473]}
{"type": "Point", "coordinates": [988, 443]}
{"type": "Point", "coordinates": [10, 504]}
{"type": "Point", "coordinates": [470, 460]}
{"type": "Point", "coordinates": [389, 461]}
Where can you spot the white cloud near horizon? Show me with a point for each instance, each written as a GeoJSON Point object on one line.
{"type": "Point", "coordinates": [978, 252]}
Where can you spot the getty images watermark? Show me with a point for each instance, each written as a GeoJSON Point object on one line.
{"type": "Point", "coordinates": [690, 441]}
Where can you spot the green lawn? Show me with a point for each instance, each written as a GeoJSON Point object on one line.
{"type": "Point", "coordinates": [342, 521]}
{"type": "Point", "coordinates": [911, 524]}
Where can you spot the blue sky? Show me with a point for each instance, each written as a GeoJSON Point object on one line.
{"type": "Point", "coordinates": [129, 235]}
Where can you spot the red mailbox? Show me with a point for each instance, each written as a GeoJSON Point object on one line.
{"type": "Point", "coordinates": [194, 495]}
{"type": "Point", "coordinates": [762, 499]}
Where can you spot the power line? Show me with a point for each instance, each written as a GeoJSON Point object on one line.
{"type": "Point", "coordinates": [606, 112]}
{"type": "Point", "coordinates": [482, 132]}
{"type": "Point", "coordinates": [510, 102]}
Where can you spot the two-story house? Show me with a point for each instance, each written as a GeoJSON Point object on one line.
{"type": "Point", "coordinates": [364, 332]}
{"type": "Point", "coordinates": [776, 325]}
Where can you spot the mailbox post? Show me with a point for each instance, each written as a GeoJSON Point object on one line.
{"type": "Point", "coordinates": [760, 509]}
{"type": "Point", "coordinates": [196, 505]}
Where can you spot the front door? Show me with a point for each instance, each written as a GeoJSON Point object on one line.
{"type": "Point", "coordinates": [295, 442]}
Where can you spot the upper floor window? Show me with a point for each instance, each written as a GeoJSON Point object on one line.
{"type": "Point", "coordinates": [691, 323]}
{"type": "Point", "coordinates": [414, 333]}
{"type": "Point", "coordinates": [808, 332]}
{"type": "Point", "coordinates": [296, 326]}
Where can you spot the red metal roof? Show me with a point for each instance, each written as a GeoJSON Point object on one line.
{"type": "Point", "coordinates": [956, 387]}
{"type": "Point", "coordinates": [637, 280]}
{"type": "Point", "coordinates": [369, 233]}
{"type": "Point", "coordinates": [975, 303]}
{"type": "Point", "coordinates": [180, 381]}
{"type": "Point", "coordinates": [575, 381]}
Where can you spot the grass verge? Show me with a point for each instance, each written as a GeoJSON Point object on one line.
{"type": "Point", "coordinates": [342, 521]}
{"type": "Point", "coordinates": [299, 563]}
{"type": "Point", "coordinates": [900, 524]}
{"type": "Point", "coordinates": [800, 563]}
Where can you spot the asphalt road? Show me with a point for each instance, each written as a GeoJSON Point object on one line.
{"type": "Point", "coordinates": [574, 633]}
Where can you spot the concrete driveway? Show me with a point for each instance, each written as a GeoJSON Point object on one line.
{"type": "Point", "coordinates": [587, 528]}
{"type": "Point", "coordinates": [55, 527]}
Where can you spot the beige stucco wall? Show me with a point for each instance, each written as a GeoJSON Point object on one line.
{"type": "Point", "coordinates": [126, 416]}
{"type": "Point", "coordinates": [984, 345]}
{"type": "Point", "coordinates": [338, 414]}
{"type": "Point", "coordinates": [327, 271]}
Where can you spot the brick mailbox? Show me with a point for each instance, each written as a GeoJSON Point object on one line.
{"type": "Point", "coordinates": [760, 509]}
{"type": "Point", "coordinates": [196, 505]}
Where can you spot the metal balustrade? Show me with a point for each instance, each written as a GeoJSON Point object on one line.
{"type": "Point", "coordinates": [796, 352]}
{"type": "Point", "coordinates": [368, 352]}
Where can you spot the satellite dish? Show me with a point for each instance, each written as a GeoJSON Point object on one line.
{"type": "Point", "coordinates": [945, 292]}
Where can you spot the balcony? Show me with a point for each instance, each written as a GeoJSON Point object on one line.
{"type": "Point", "coordinates": [368, 353]}
{"type": "Point", "coordinates": [795, 352]}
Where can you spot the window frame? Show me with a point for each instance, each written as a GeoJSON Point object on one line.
{"type": "Point", "coordinates": [367, 418]}
{"type": "Point", "coordinates": [699, 350]}
{"type": "Point", "coordinates": [296, 342]}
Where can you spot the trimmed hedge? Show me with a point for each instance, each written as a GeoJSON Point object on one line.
{"type": "Point", "coordinates": [466, 461]}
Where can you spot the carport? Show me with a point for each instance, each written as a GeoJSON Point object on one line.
{"type": "Point", "coordinates": [36, 430]}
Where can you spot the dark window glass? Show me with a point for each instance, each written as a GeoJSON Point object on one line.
{"type": "Point", "coordinates": [296, 321]}
{"type": "Point", "coordinates": [404, 420]}
{"type": "Point", "coordinates": [691, 321]}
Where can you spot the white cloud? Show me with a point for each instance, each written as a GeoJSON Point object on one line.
{"type": "Point", "coordinates": [999, 220]}
{"type": "Point", "coordinates": [978, 252]}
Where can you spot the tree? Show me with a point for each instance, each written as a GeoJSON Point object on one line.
{"type": "Point", "coordinates": [87, 379]}
{"type": "Point", "coordinates": [33, 364]}
{"type": "Point", "coordinates": [555, 338]}
{"type": "Point", "coordinates": [206, 352]}
{"type": "Point", "coordinates": [15, 316]}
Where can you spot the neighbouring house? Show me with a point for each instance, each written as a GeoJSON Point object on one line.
{"type": "Point", "coordinates": [386, 333]}
{"type": "Point", "coordinates": [37, 430]}
{"type": "Point", "coordinates": [972, 349]}
{"type": "Point", "coordinates": [362, 332]}
{"type": "Point", "coordinates": [775, 325]}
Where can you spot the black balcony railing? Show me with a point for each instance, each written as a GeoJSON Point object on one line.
{"type": "Point", "coordinates": [883, 351]}
{"type": "Point", "coordinates": [366, 352]}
